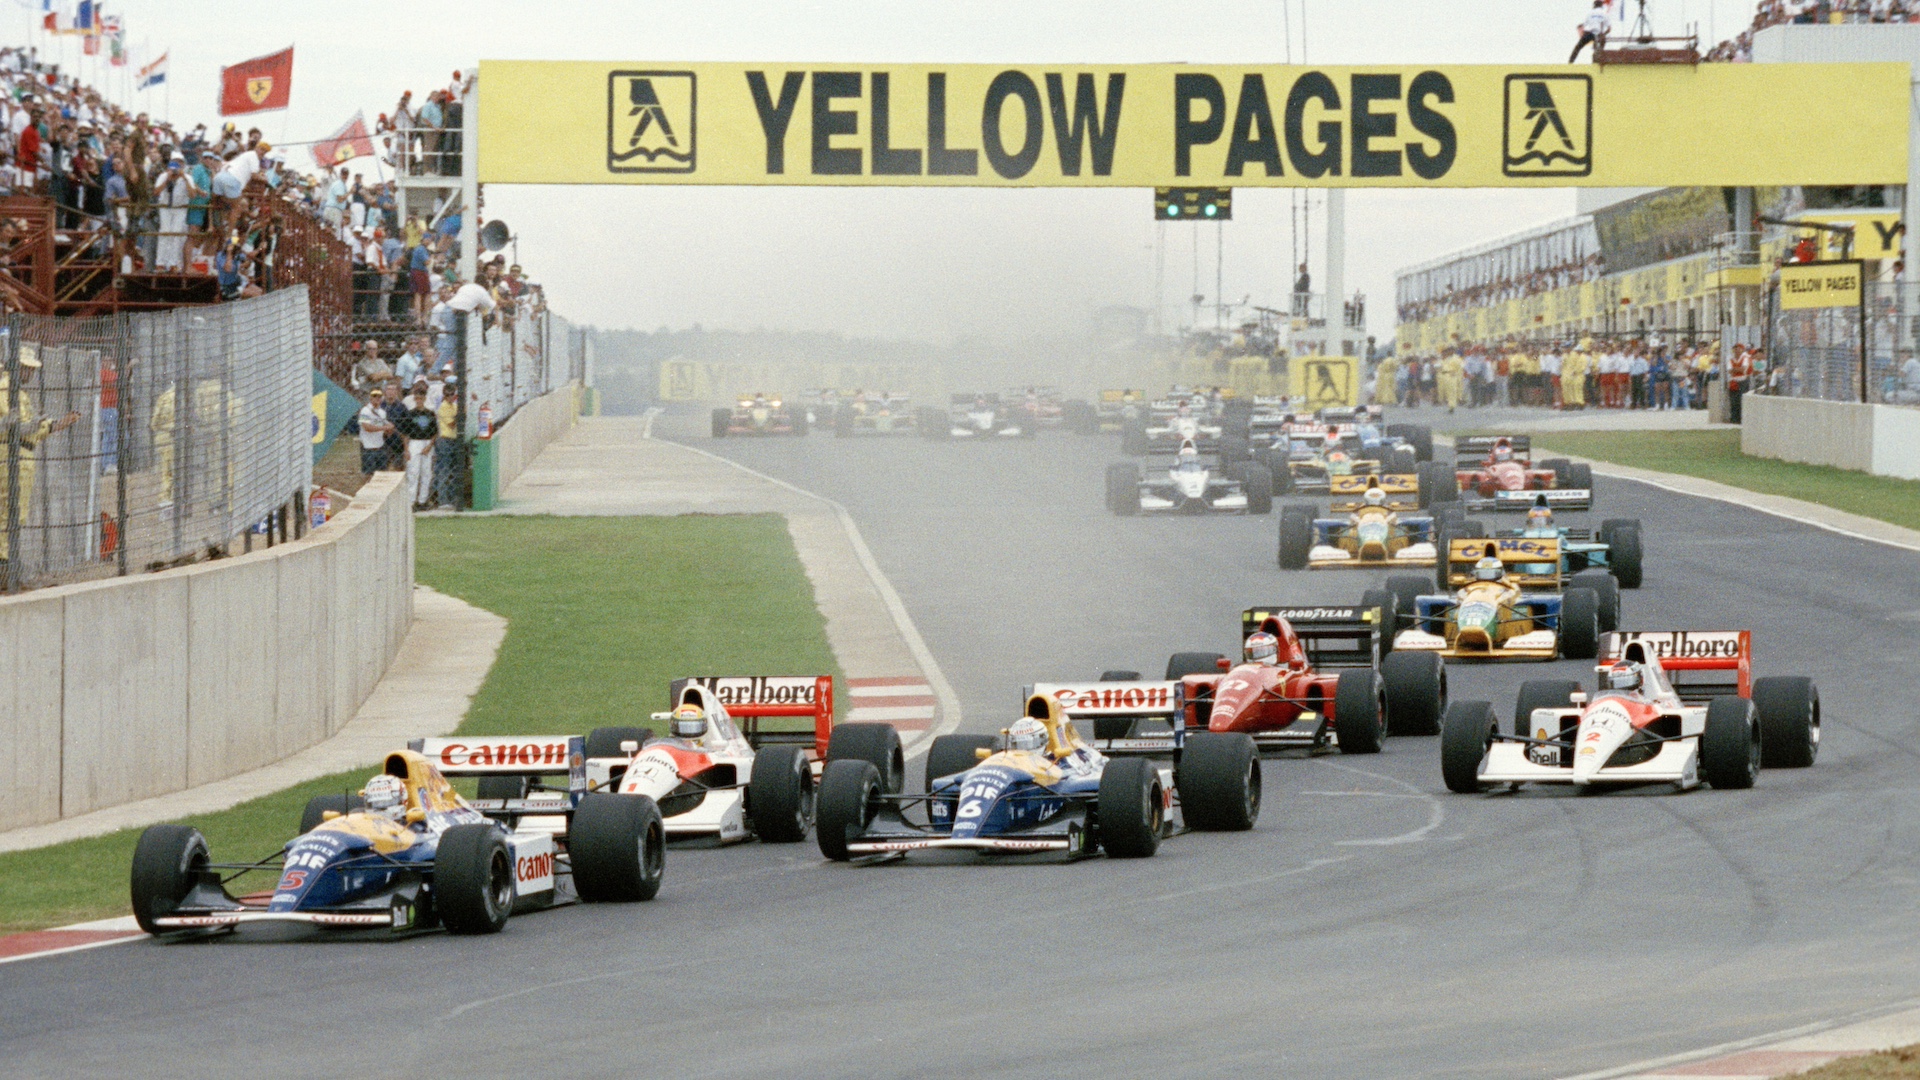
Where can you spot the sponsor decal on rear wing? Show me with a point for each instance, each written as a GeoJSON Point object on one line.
{"type": "Point", "coordinates": [1556, 498]}
{"type": "Point", "coordinates": [749, 697]}
{"type": "Point", "coordinates": [1086, 701]}
{"type": "Point", "coordinates": [1479, 446]}
{"type": "Point", "coordinates": [1508, 549]}
{"type": "Point", "coordinates": [1333, 637]}
{"type": "Point", "coordinates": [1686, 651]}
{"type": "Point", "coordinates": [509, 755]}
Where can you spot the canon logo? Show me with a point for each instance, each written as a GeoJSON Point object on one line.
{"type": "Point", "coordinates": [1131, 697]}
{"type": "Point", "coordinates": [459, 755]}
{"type": "Point", "coordinates": [534, 867]}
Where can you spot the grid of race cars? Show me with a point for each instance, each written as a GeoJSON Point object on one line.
{"type": "Point", "coordinates": [1113, 765]}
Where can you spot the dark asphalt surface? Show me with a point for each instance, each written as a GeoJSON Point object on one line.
{"type": "Point", "coordinates": [1371, 926]}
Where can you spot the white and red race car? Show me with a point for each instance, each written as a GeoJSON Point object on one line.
{"type": "Point", "coordinates": [1642, 725]}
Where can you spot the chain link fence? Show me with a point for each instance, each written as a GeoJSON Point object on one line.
{"type": "Point", "coordinates": [514, 361]}
{"type": "Point", "coordinates": [1816, 353]}
{"type": "Point", "coordinates": [140, 441]}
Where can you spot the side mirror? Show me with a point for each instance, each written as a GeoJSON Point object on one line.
{"type": "Point", "coordinates": [1578, 697]}
{"type": "Point", "coordinates": [660, 716]}
{"type": "Point", "coordinates": [416, 815]}
{"type": "Point", "coordinates": [629, 746]}
{"type": "Point", "coordinates": [329, 815]}
{"type": "Point", "coordinates": [1224, 664]}
{"type": "Point", "coordinates": [981, 753]}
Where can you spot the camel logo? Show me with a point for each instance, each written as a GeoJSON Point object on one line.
{"type": "Point", "coordinates": [1549, 126]}
{"type": "Point", "coordinates": [259, 88]}
{"type": "Point", "coordinates": [650, 122]}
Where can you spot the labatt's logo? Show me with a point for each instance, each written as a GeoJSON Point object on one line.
{"type": "Point", "coordinates": [464, 755]}
{"type": "Point", "coordinates": [762, 689]}
{"type": "Point", "coordinates": [1687, 644]}
{"type": "Point", "coordinates": [1115, 697]}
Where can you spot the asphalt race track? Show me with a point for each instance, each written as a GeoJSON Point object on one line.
{"type": "Point", "coordinates": [1371, 926]}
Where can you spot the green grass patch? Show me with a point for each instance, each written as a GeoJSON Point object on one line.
{"type": "Point", "coordinates": [1715, 455]}
{"type": "Point", "coordinates": [601, 614]}
{"type": "Point", "coordinates": [1902, 1063]}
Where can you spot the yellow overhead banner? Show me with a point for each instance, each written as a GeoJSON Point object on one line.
{"type": "Point", "coordinates": [1877, 234]}
{"type": "Point", "coordinates": [1820, 285]}
{"type": "Point", "coordinates": [1167, 125]}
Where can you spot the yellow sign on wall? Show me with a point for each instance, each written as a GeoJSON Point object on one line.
{"type": "Point", "coordinates": [1167, 125]}
{"type": "Point", "coordinates": [1877, 234]}
{"type": "Point", "coordinates": [1820, 285]}
{"type": "Point", "coordinates": [1324, 382]}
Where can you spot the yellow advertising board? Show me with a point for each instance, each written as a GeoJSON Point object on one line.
{"type": "Point", "coordinates": [1877, 234]}
{"type": "Point", "coordinates": [1324, 382]}
{"type": "Point", "coordinates": [1172, 125]}
{"type": "Point", "coordinates": [1820, 285]}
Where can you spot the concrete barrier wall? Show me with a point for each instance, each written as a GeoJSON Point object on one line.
{"type": "Point", "coordinates": [124, 689]}
{"type": "Point", "coordinates": [531, 427]}
{"type": "Point", "coordinates": [1880, 439]}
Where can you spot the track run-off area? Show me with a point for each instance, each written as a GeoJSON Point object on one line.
{"type": "Point", "coordinates": [1372, 925]}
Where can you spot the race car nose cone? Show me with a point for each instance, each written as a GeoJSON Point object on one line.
{"type": "Point", "coordinates": [1604, 727]}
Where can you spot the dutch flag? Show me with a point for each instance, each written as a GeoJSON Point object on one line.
{"type": "Point", "coordinates": [154, 74]}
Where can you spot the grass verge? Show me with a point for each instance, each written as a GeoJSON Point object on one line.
{"type": "Point", "coordinates": [1900, 1063]}
{"type": "Point", "coordinates": [1715, 455]}
{"type": "Point", "coordinates": [601, 614]}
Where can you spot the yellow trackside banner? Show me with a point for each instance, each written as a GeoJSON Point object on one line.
{"type": "Point", "coordinates": [1820, 285]}
{"type": "Point", "coordinates": [1166, 125]}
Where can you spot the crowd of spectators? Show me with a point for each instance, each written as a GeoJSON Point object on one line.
{"type": "Point", "coordinates": [1739, 49]}
{"type": "Point", "coordinates": [1481, 286]}
{"type": "Point", "coordinates": [1624, 373]}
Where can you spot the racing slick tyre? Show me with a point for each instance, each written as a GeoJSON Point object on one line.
{"type": "Point", "coordinates": [1282, 474]}
{"type": "Point", "coordinates": [1401, 460]}
{"type": "Point", "coordinates": [1416, 685]}
{"type": "Point", "coordinates": [1579, 636]}
{"type": "Point", "coordinates": [1471, 529]}
{"type": "Point", "coordinates": [1234, 449]}
{"type": "Point", "coordinates": [502, 787]}
{"type": "Point", "coordinates": [317, 808]}
{"type": "Point", "coordinates": [1562, 471]}
{"type": "Point", "coordinates": [1580, 476]}
{"type": "Point", "coordinates": [1119, 676]}
{"type": "Point", "coordinates": [1541, 694]}
{"type": "Point", "coordinates": [1466, 734]}
{"type": "Point", "coordinates": [1730, 744]}
{"type": "Point", "coordinates": [1443, 484]}
{"type": "Point", "coordinates": [1419, 436]}
{"type": "Point", "coordinates": [1115, 727]}
{"type": "Point", "coordinates": [951, 754]}
{"type": "Point", "coordinates": [605, 741]}
{"type": "Point", "coordinates": [1360, 711]}
{"type": "Point", "coordinates": [473, 878]}
{"type": "Point", "coordinates": [166, 862]}
{"type": "Point", "coordinates": [878, 744]}
{"type": "Point", "coordinates": [1131, 808]}
{"type": "Point", "coordinates": [1296, 536]}
{"type": "Point", "coordinates": [849, 799]}
{"type": "Point", "coordinates": [1623, 551]}
{"type": "Point", "coordinates": [1789, 710]}
{"type": "Point", "coordinates": [1133, 438]}
{"type": "Point", "coordinates": [1182, 664]}
{"type": "Point", "coordinates": [1607, 589]}
{"type": "Point", "coordinates": [618, 845]}
{"type": "Point", "coordinates": [780, 794]}
{"type": "Point", "coordinates": [1258, 484]}
{"type": "Point", "coordinates": [1218, 778]}
{"type": "Point", "coordinates": [1389, 606]}
{"type": "Point", "coordinates": [1407, 590]}
{"type": "Point", "coordinates": [722, 420]}
{"type": "Point", "coordinates": [1123, 488]}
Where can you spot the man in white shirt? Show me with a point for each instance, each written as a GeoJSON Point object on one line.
{"type": "Point", "coordinates": [1550, 378]}
{"type": "Point", "coordinates": [1593, 31]}
{"type": "Point", "coordinates": [374, 428]}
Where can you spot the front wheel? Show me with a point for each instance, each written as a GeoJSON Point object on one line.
{"type": "Point", "coordinates": [1218, 779]}
{"type": "Point", "coordinates": [473, 879]}
{"type": "Point", "coordinates": [1296, 536]}
{"type": "Point", "coordinates": [1788, 707]}
{"type": "Point", "coordinates": [1466, 734]}
{"type": "Point", "coordinates": [849, 799]}
{"type": "Point", "coordinates": [878, 744]}
{"type": "Point", "coordinates": [1416, 692]}
{"type": "Point", "coordinates": [1579, 633]}
{"type": "Point", "coordinates": [618, 847]}
{"type": "Point", "coordinates": [167, 862]}
{"type": "Point", "coordinates": [1132, 808]}
{"type": "Point", "coordinates": [722, 420]}
{"type": "Point", "coordinates": [1258, 485]}
{"type": "Point", "coordinates": [1730, 745]}
{"type": "Point", "coordinates": [1359, 711]}
{"type": "Point", "coordinates": [780, 794]}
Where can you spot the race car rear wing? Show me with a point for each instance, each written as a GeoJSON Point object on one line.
{"type": "Point", "coordinates": [1332, 637]}
{"type": "Point", "coordinates": [511, 755]}
{"type": "Point", "coordinates": [1512, 551]}
{"type": "Point", "coordinates": [1350, 492]}
{"type": "Point", "coordinates": [1556, 498]}
{"type": "Point", "coordinates": [1122, 701]}
{"type": "Point", "coordinates": [1689, 652]}
{"type": "Point", "coordinates": [751, 698]}
{"type": "Point", "coordinates": [1479, 446]}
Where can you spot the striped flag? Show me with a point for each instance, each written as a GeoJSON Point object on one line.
{"type": "Point", "coordinates": [153, 74]}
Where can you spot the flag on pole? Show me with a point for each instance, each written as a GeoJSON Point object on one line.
{"type": "Point", "coordinates": [153, 74]}
{"type": "Point", "coordinates": [83, 17]}
{"type": "Point", "coordinates": [350, 142]}
{"type": "Point", "coordinates": [50, 16]}
{"type": "Point", "coordinates": [116, 42]}
{"type": "Point", "coordinates": [257, 85]}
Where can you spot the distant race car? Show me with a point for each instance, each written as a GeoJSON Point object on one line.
{"type": "Point", "coordinates": [1040, 786]}
{"type": "Point", "coordinates": [1114, 408]}
{"type": "Point", "coordinates": [1049, 408]}
{"type": "Point", "coordinates": [1179, 418]}
{"type": "Point", "coordinates": [860, 413]}
{"type": "Point", "coordinates": [1641, 724]}
{"type": "Point", "coordinates": [1498, 473]}
{"type": "Point", "coordinates": [1374, 530]}
{"type": "Point", "coordinates": [1510, 605]}
{"type": "Point", "coordinates": [1615, 547]}
{"type": "Point", "coordinates": [979, 416]}
{"type": "Point", "coordinates": [410, 853]}
{"type": "Point", "coordinates": [759, 415]}
{"type": "Point", "coordinates": [1190, 485]}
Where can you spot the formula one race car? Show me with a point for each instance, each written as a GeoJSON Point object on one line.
{"type": "Point", "coordinates": [410, 853]}
{"type": "Point", "coordinates": [1497, 473]}
{"type": "Point", "coordinates": [978, 416]}
{"type": "Point", "coordinates": [1182, 417]}
{"type": "Point", "coordinates": [1191, 485]}
{"type": "Point", "coordinates": [1508, 606]}
{"type": "Point", "coordinates": [1113, 409]}
{"type": "Point", "coordinates": [860, 413]}
{"type": "Point", "coordinates": [1049, 408]}
{"type": "Point", "coordinates": [1373, 532]}
{"type": "Point", "coordinates": [1615, 547]}
{"type": "Point", "coordinates": [759, 415]}
{"type": "Point", "coordinates": [1039, 786]}
{"type": "Point", "coordinates": [1641, 724]}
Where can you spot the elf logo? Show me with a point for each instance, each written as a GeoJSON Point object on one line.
{"type": "Point", "coordinates": [650, 121]}
{"type": "Point", "coordinates": [1549, 126]}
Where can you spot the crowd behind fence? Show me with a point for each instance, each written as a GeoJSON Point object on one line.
{"type": "Point", "coordinates": [141, 440]}
{"type": "Point", "coordinates": [1816, 353]}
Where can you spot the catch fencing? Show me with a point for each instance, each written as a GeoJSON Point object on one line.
{"type": "Point", "coordinates": [508, 364]}
{"type": "Point", "coordinates": [1816, 353]}
{"type": "Point", "coordinates": [137, 441]}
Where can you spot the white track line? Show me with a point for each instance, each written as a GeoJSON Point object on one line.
{"type": "Point", "coordinates": [1654, 1065]}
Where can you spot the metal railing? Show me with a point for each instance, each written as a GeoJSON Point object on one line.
{"type": "Point", "coordinates": [1817, 353]}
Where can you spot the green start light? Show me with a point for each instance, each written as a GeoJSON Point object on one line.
{"type": "Point", "coordinates": [1193, 204]}
{"type": "Point", "coordinates": [1173, 211]}
{"type": "Point", "coordinates": [1210, 210]}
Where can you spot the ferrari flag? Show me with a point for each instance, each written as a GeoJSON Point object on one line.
{"type": "Point", "coordinates": [257, 85]}
{"type": "Point", "coordinates": [350, 142]}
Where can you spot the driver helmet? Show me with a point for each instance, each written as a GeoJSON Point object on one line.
{"type": "Point", "coordinates": [1623, 676]}
{"type": "Point", "coordinates": [1189, 455]}
{"type": "Point", "coordinates": [1376, 497]}
{"type": "Point", "coordinates": [1183, 409]}
{"type": "Point", "coordinates": [1027, 734]}
{"type": "Point", "coordinates": [1488, 569]}
{"type": "Point", "coordinates": [1263, 648]}
{"type": "Point", "coordinates": [1502, 452]}
{"type": "Point", "coordinates": [1337, 462]}
{"type": "Point", "coordinates": [1539, 516]}
{"type": "Point", "coordinates": [689, 721]}
{"type": "Point", "coordinates": [1333, 436]}
{"type": "Point", "coordinates": [759, 399]}
{"type": "Point", "coordinates": [385, 795]}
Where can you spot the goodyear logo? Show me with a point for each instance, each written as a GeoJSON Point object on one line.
{"type": "Point", "coordinates": [651, 119]}
{"type": "Point", "coordinates": [1549, 126]}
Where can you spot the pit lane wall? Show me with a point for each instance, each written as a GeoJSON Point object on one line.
{"type": "Point", "coordinates": [1880, 439]}
{"type": "Point", "coordinates": [499, 461]}
{"type": "Point", "coordinates": [119, 690]}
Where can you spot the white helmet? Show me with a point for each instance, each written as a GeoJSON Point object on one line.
{"type": "Point", "coordinates": [1376, 497]}
{"type": "Point", "coordinates": [1488, 569]}
{"type": "Point", "coordinates": [385, 795]}
{"type": "Point", "coordinates": [689, 721]}
{"type": "Point", "coordinates": [1623, 677]}
{"type": "Point", "coordinates": [1027, 734]}
{"type": "Point", "coordinates": [1262, 648]}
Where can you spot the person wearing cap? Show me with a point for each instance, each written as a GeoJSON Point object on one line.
{"type": "Point", "coordinates": [373, 427]}
{"type": "Point", "coordinates": [447, 448]}
{"type": "Point", "coordinates": [419, 427]}
{"type": "Point", "coordinates": [19, 427]}
{"type": "Point", "coordinates": [174, 196]}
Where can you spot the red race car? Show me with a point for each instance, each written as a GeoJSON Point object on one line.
{"type": "Point", "coordinates": [1496, 472]}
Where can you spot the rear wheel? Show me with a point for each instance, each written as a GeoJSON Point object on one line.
{"type": "Point", "coordinates": [1541, 694]}
{"type": "Point", "coordinates": [1730, 745]}
{"type": "Point", "coordinates": [473, 878]}
{"type": "Point", "coordinates": [1257, 482]}
{"type": "Point", "coordinates": [1388, 605]}
{"type": "Point", "coordinates": [1562, 470]}
{"type": "Point", "coordinates": [1131, 808]}
{"type": "Point", "coordinates": [1296, 536]}
{"type": "Point", "coordinates": [166, 863]}
{"type": "Point", "coordinates": [780, 794]}
{"type": "Point", "coordinates": [1472, 529]}
{"type": "Point", "coordinates": [502, 787]}
{"type": "Point", "coordinates": [849, 798]}
{"type": "Point", "coordinates": [1123, 488]}
{"type": "Point", "coordinates": [317, 808]}
{"type": "Point", "coordinates": [618, 847]}
{"type": "Point", "coordinates": [1407, 589]}
{"type": "Point", "coordinates": [1466, 734]}
{"type": "Point", "coordinates": [1218, 778]}
{"type": "Point", "coordinates": [1580, 476]}
{"type": "Point", "coordinates": [1182, 664]}
{"type": "Point", "coordinates": [1579, 625]}
{"type": "Point", "coordinates": [1788, 707]}
{"type": "Point", "coordinates": [605, 742]}
{"type": "Point", "coordinates": [1282, 474]}
{"type": "Point", "coordinates": [952, 754]}
{"type": "Point", "coordinates": [1623, 553]}
{"type": "Point", "coordinates": [1416, 685]}
{"type": "Point", "coordinates": [877, 744]}
{"type": "Point", "coordinates": [1606, 589]}
{"type": "Point", "coordinates": [1360, 711]}
{"type": "Point", "coordinates": [1401, 460]}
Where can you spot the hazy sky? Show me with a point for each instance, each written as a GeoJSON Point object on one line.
{"type": "Point", "coordinates": [877, 261]}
